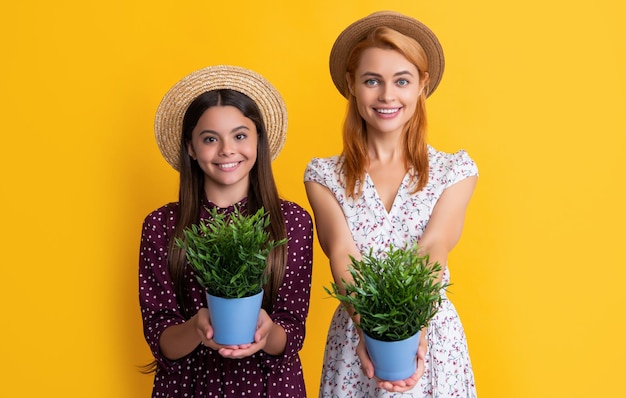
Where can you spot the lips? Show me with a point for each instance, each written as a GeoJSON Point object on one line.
{"type": "Point", "coordinates": [387, 111]}
{"type": "Point", "coordinates": [227, 166]}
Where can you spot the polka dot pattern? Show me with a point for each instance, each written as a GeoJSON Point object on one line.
{"type": "Point", "coordinates": [204, 373]}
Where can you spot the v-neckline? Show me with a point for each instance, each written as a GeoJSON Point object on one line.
{"type": "Point", "coordinates": [379, 199]}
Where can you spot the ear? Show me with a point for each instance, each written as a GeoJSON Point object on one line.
{"type": "Point", "coordinates": [350, 85]}
{"type": "Point", "coordinates": [424, 81]}
{"type": "Point", "coordinates": [191, 151]}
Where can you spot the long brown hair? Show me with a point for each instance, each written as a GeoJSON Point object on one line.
{"type": "Point", "coordinates": [355, 154]}
{"type": "Point", "coordinates": [261, 193]}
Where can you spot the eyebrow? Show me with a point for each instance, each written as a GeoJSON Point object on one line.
{"type": "Point", "coordinates": [372, 74]}
{"type": "Point", "coordinates": [235, 130]}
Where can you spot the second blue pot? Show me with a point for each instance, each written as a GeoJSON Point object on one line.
{"type": "Point", "coordinates": [393, 360]}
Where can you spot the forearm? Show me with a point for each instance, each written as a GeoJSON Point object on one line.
{"type": "Point", "coordinates": [179, 340]}
{"type": "Point", "coordinates": [446, 222]}
{"type": "Point", "coordinates": [436, 254]}
{"type": "Point", "coordinates": [276, 340]}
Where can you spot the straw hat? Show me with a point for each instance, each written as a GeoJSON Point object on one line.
{"type": "Point", "coordinates": [169, 116]}
{"type": "Point", "coordinates": [408, 26]}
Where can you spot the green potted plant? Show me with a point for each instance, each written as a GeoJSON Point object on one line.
{"type": "Point", "coordinates": [228, 254]}
{"type": "Point", "coordinates": [395, 295]}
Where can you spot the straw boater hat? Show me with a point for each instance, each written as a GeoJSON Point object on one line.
{"type": "Point", "coordinates": [169, 116]}
{"type": "Point", "coordinates": [408, 26]}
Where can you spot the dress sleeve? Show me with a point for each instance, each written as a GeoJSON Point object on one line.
{"type": "Point", "coordinates": [325, 171]}
{"type": "Point", "coordinates": [157, 299]}
{"type": "Point", "coordinates": [314, 171]}
{"type": "Point", "coordinates": [459, 167]}
{"type": "Point", "coordinates": [292, 305]}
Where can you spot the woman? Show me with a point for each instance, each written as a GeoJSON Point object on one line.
{"type": "Point", "coordinates": [211, 127]}
{"type": "Point", "coordinates": [390, 187]}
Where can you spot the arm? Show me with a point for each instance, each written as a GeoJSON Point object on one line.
{"type": "Point", "coordinates": [179, 340]}
{"type": "Point", "coordinates": [440, 236]}
{"type": "Point", "coordinates": [158, 302]}
{"type": "Point", "coordinates": [169, 334]}
{"type": "Point", "coordinates": [446, 221]}
{"type": "Point", "coordinates": [269, 337]}
{"type": "Point", "coordinates": [333, 232]}
{"type": "Point", "coordinates": [337, 243]}
{"type": "Point", "coordinates": [291, 308]}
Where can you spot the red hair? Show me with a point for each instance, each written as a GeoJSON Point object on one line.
{"type": "Point", "coordinates": [355, 154]}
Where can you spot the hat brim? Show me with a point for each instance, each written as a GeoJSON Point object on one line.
{"type": "Point", "coordinates": [408, 26]}
{"type": "Point", "coordinates": [169, 116]}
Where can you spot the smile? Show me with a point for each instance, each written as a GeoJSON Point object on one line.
{"type": "Point", "coordinates": [227, 166]}
{"type": "Point", "coordinates": [387, 111]}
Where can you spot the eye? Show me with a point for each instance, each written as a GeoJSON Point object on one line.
{"type": "Point", "coordinates": [371, 82]}
{"type": "Point", "coordinates": [402, 82]}
{"type": "Point", "coordinates": [209, 139]}
{"type": "Point", "coordinates": [240, 136]}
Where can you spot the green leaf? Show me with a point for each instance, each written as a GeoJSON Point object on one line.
{"type": "Point", "coordinates": [229, 253]}
{"type": "Point", "coordinates": [394, 292]}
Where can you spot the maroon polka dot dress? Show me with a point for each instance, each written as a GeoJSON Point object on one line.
{"type": "Point", "coordinates": [204, 373]}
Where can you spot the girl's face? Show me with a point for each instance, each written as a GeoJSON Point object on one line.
{"type": "Point", "coordinates": [224, 142]}
{"type": "Point", "coordinates": [386, 88]}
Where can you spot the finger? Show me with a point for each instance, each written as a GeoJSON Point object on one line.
{"type": "Point", "coordinates": [367, 366]}
{"type": "Point", "coordinates": [421, 368]}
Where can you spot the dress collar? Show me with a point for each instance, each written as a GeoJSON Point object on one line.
{"type": "Point", "coordinates": [241, 205]}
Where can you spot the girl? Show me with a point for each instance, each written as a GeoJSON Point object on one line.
{"type": "Point", "coordinates": [220, 127]}
{"type": "Point", "coordinates": [390, 187]}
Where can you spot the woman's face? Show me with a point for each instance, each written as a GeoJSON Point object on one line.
{"type": "Point", "coordinates": [386, 88]}
{"type": "Point", "coordinates": [224, 142]}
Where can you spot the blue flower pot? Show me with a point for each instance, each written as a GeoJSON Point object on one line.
{"type": "Point", "coordinates": [393, 360]}
{"type": "Point", "coordinates": [234, 320]}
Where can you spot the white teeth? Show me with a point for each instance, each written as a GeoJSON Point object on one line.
{"type": "Point", "coordinates": [387, 111]}
{"type": "Point", "coordinates": [227, 165]}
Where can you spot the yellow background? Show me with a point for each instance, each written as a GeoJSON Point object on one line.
{"type": "Point", "coordinates": [534, 90]}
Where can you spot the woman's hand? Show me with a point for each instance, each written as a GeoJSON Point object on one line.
{"type": "Point", "coordinates": [366, 363]}
{"type": "Point", "coordinates": [396, 385]}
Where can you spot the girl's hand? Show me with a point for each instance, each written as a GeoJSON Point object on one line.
{"type": "Point", "coordinates": [264, 327]}
{"type": "Point", "coordinates": [205, 330]}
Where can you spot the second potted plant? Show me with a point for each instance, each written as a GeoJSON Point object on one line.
{"type": "Point", "coordinates": [228, 254]}
{"type": "Point", "coordinates": [395, 295]}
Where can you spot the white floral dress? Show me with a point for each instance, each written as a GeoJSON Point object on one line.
{"type": "Point", "coordinates": [448, 367]}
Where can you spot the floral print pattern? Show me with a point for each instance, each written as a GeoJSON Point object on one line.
{"type": "Point", "coordinates": [448, 367]}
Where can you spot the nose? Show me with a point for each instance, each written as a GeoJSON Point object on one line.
{"type": "Point", "coordinates": [386, 93]}
{"type": "Point", "coordinates": [227, 148]}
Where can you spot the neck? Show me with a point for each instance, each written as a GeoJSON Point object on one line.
{"type": "Point", "coordinates": [224, 196]}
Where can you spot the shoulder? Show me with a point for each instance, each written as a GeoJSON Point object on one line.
{"type": "Point", "coordinates": [459, 161]}
{"type": "Point", "coordinates": [293, 211]}
{"type": "Point", "coordinates": [163, 216]}
{"type": "Point", "coordinates": [330, 163]}
{"type": "Point", "coordinates": [323, 166]}
{"type": "Point", "coordinates": [298, 221]}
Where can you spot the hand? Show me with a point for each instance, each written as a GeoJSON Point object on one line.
{"type": "Point", "coordinates": [264, 327]}
{"type": "Point", "coordinates": [205, 330]}
{"type": "Point", "coordinates": [396, 385]}
{"type": "Point", "coordinates": [366, 362]}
